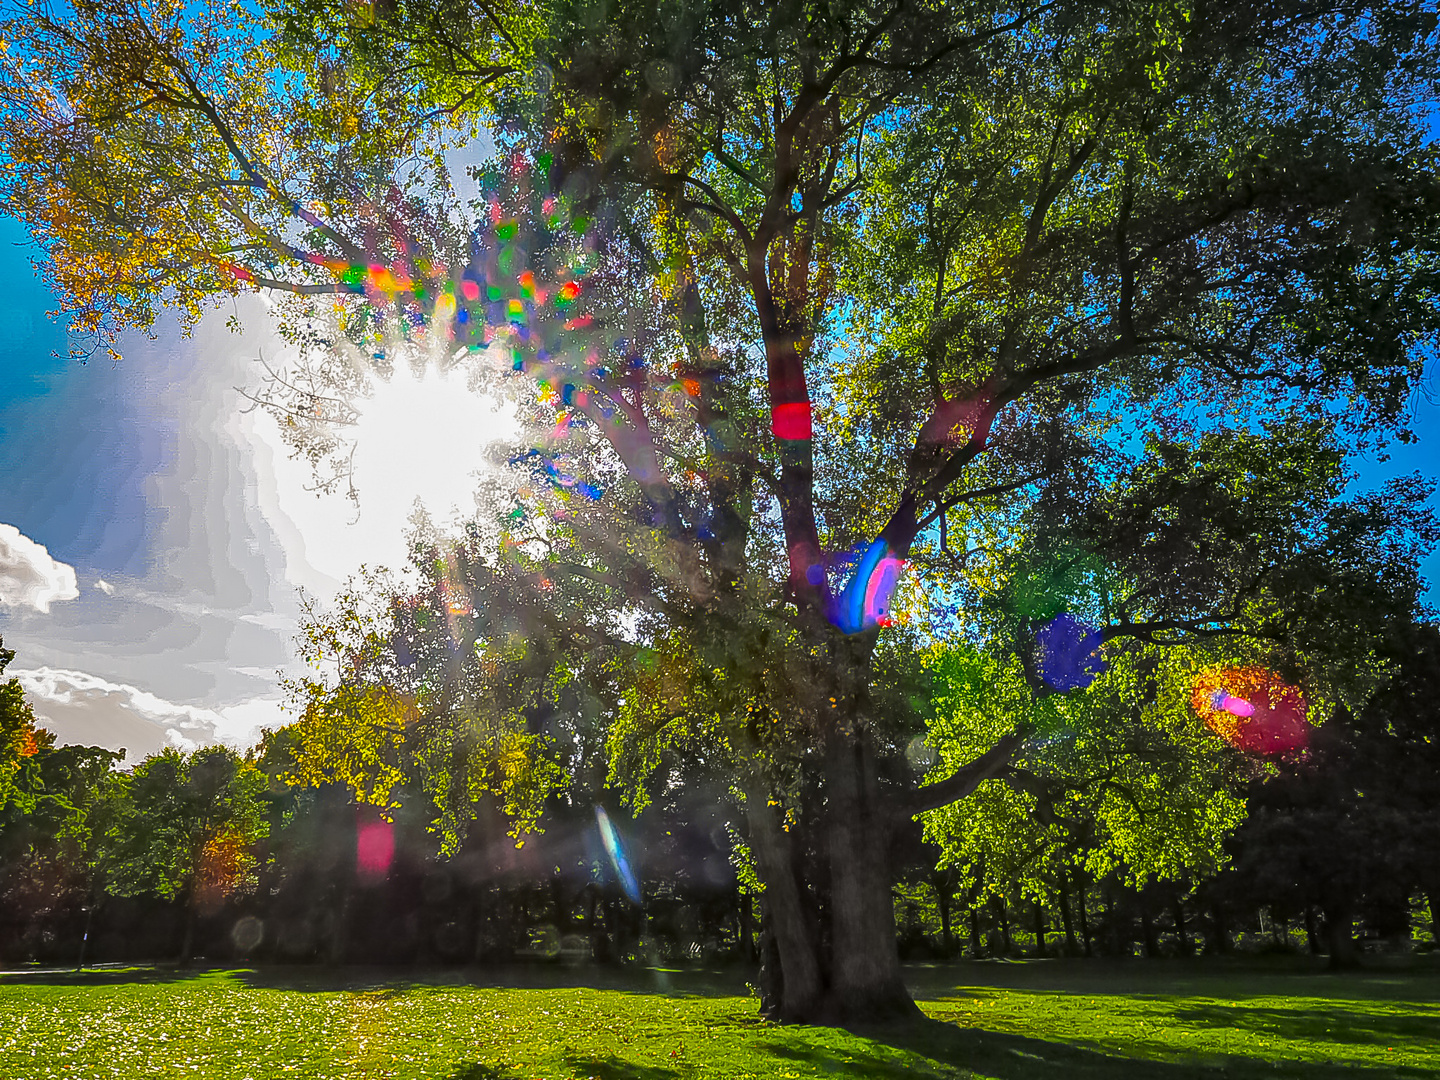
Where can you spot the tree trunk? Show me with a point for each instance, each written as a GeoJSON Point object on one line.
{"type": "Point", "coordinates": [744, 918]}
{"type": "Point", "coordinates": [1067, 920]}
{"type": "Point", "coordinates": [335, 953]}
{"type": "Point", "coordinates": [1039, 928]}
{"type": "Point", "coordinates": [1312, 931]}
{"type": "Point", "coordinates": [1084, 912]}
{"type": "Point", "coordinates": [798, 995]}
{"type": "Point", "coordinates": [977, 948]}
{"type": "Point", "coordinates": [1221, 929]}
{"type": "Point", "coordinates": [835, 945]}
{"type": "Point", "coordinates": [1431, 899]}
{"type": "Point", "coordinates": [1338, 935]}
{"type": "Point", "coordinates": [609, 945]}
{"type": "Point", "coordinates": [1147, 929]}
{"type": "Point", "coordinates": [1119, 941]}
{"type": "Point", "coordinates": [942, 901]}
{"type": "Point", "coordinates": [1182, 937]}
{"type": "Point", "coordinates": [85, 938]}
{"type": "Point", "coordinates": [1004, 920]}
{"type": "Point", "coordinates": [187, 941]}
{"type": "Point", "coordinates": [599, 944]}
{"type": "Point", "coordinates": [866, 981]}
{"type": "Point", "coordinates": [559, 906]}
{"type": "Point", "coordinates": [770, 976]}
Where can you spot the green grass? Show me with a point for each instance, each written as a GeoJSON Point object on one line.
{"type": "Point", "coordinates": [1061, 1020]}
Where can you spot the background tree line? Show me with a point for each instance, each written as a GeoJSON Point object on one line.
{"type": "Point", "coordinates": [263, 856]}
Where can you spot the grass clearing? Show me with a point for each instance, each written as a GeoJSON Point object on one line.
{"type": "Point", "coordinates": [1061, 1020]}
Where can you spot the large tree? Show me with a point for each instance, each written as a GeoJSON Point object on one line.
{"type": "Point", "coordinates": [182, 828]}
{"type": "Point", "coordinates": [803, 279]}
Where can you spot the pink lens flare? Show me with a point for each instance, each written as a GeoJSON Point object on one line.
{"type": "Point", "coordinates": [1253, 709]}
{"type": "Point", "coordinates": [374, 846]}
{"type": "Point", "coordinates": [1233, 705]}
{"type": "Point", "coordinates": [866, 601]}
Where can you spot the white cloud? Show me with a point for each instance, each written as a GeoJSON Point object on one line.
{"type": "Point", "coordinates": [86, 709]}
{"type": "Point", "coordinates": [240, 725]}
{"type": "Point", "coordinates": [29, 577]}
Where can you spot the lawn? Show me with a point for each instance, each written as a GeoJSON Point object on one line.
{"type": "Point", "coordinates": [1065, 1020]}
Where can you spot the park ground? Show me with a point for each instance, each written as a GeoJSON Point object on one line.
{"type": "Point", "coordinates": [1068, 1020]}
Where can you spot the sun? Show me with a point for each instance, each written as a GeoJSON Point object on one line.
{"type": "Point", "coordinates": [419, 438]}
{"type": "Point", "coordinates": [425, 438]}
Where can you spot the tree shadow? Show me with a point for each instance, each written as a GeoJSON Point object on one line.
{"type": "Point", "coordinates": [606, 1068]}
{"type": "Point", "coordinates": [1324, 1024]}
{"type": "Point", "coordinates": [1017, 1057]}
{"type": "Point", "coordinates": [612, 1068]}
{"type": "Point", "coordinates": [852, 1061]}
{"type": "Point", "coordinates": [312, 978]}
{"type": "Point", "coordinates": [107, 976]}
{"type": "Point", "coordinates": [1231, 977]}
{"type": "Point", "coordinates": [477, 1071]}
{"type": "Point", "coordinates": [319, 978]}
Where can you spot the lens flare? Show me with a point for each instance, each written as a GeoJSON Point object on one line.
{"type": "Point", "coordinates": [865, 602]}
{"type": "Point", "coordinates": [374, 846]}
{"type": "Point", "coordinates": [555, 476]}
{"type": "Point", "coordinates": [618, 859]}
{"type": "Point", "coordinates": [1067, 653]}
{"type": "Point", "coordinates": [791, 421]}
{"type": "Point", "coordinates": [1233, 705]}
{"type": "Point", "coordinates": [1252, 708]}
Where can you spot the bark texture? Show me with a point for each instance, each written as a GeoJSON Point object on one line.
{"type": "Point", "coordinates": [831, 952]}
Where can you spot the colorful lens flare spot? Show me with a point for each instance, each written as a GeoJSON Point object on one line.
{"type": "Point", "coordinates": [1253, 709]}
{"type": "Point", "coordinates": [374, 846]}
{"type": "Point", "coordinates": [865, 602]}
{"type": "Point", "coordinates": [611, 839]}
{"type": "Point", "coordinates": [1233, 705]}
{"type": "Point", "coordinates": [1067, 652]}
{"type": "Point", "coordinates": [791, 421]}
{"type": "Point", "coordinates": [558, 478]}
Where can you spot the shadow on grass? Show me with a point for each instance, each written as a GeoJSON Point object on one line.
{"type": "Point", "coordinates": [1320, 1024]}
{"type": "Point", "coordinates": [1230, 977]}
{"type": "Point", "coordinates": [479, 1072]}
{"type": "Point", "coordinates": [1017, 1057]}
{"type": "Point", "coordinates": [606, 1068]}
{"type": "Point", "coordinates": [314, 978]}
{"type": "Point", "coordinates": [107, 976]}
{"type": "Point", "coordinates": [612, 1068]}
{"type": "Point", "coordinates": [538, 976]}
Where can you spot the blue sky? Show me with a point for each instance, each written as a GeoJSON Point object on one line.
{"type": "Point", "coordinates": [175, 530]}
